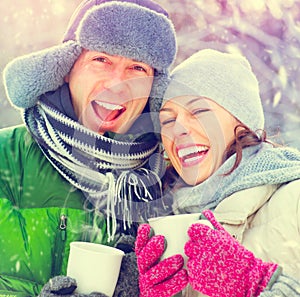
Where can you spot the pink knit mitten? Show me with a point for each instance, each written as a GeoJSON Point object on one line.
{"type": "Point", "coordinates": [157, 279]}
{"type": "Point", "coordinates": [219, 266]}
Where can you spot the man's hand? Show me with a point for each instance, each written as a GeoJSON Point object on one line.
{"type": "Point", "coordinates": [64, 286]}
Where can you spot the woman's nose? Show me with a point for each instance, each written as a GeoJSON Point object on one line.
{"type": "Point", "coordinates": [180, 127]}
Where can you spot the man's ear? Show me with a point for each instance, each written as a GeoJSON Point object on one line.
{"type": "Point", "coordinates": [66, 78]}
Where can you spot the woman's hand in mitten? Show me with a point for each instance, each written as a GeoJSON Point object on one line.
{"type": "Point", "coordinates": [64, 286]}
{"type": "Point", "coordinates": [219, 266]}
{"type": "Point", "coordinates": [157, 279]}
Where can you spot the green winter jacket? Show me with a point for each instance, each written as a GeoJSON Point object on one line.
{"type": "Point", "coordinates": [40, 214]}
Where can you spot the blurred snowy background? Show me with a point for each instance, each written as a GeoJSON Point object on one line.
{"type": "Point", "coordinates": [267, 32]}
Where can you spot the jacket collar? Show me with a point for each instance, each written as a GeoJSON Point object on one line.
{"type": "Point", "coordinates": [236, 208]}
{"type": "Point", "coordinates": [234, 212]}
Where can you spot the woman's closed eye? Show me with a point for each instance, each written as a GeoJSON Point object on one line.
{"type": "Point", "coordinates": [167, 121]}
{"type": "Point", "coordinates": [199, 111]}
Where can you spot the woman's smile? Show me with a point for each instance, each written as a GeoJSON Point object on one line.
{"type": "Point", "coordinates": [190, 155]}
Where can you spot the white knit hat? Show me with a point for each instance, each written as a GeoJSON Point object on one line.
{"type": "Point", "coordinates": [225, 78]}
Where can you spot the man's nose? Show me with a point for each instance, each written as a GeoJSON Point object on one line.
{"type": "Point", "coordinates": [115, 80]}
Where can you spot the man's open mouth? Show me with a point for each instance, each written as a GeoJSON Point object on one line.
{"type": "Point", "coordinates": [107, 112]}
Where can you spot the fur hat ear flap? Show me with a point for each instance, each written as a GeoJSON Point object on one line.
{"type": "Point", "coordinates": [160, 81]}
{"type": "Point", "coordinates": [27, 77]}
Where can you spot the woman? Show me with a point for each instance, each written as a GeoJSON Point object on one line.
{"type": "Point", "coordinates": [212, 130]}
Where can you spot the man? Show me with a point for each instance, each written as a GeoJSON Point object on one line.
{"type": "Point", "coordinates": [86, 161]}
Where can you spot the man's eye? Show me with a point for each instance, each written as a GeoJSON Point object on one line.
{"type": "Point", "coordinates": [101, 59]}
{"type": "Point", "coordinates": [139, 68]}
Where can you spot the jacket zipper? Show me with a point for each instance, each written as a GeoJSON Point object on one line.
{"type": "Point", "coordinates": [60, 243]}
{"type": "Point", "coordinates": [63, 226]}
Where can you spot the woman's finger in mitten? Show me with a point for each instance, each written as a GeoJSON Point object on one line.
{"type": "Point", "coordinates": [144, 233]}
{"type": "Point", "coordinates": [163, 270]}
{"type": "Point", "coordinates": [151, 253]}
{"type": "Point", "coordinates": [173, 285]}
{"type": "Point", "coordinates": [211, 218]}
{"type": "Point", "coordinates": [192, 249]}
{"type": "Point", "coordinates": [197, 232]}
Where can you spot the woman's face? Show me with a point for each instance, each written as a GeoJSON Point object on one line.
{"type": "Point", "coordinates": [195, 133]}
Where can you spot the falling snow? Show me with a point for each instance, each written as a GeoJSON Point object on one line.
{"type": "Point", "coordinates": [18, 266]}
{"type": "Point", "coordinates": [267, 32]}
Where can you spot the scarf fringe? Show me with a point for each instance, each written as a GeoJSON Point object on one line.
{"type": "Point", "coordinates": [127, 191]}
{"type": "Point", "coordinates": [111, 178]}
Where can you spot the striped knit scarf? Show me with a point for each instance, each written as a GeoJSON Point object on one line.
{"type": "Point", "coordinates": [114, 175]}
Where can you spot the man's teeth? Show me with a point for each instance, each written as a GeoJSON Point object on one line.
{"type": "Point", "coordinates": [109, 106]}
{"type": "Point", "coordinates": [191, 150]}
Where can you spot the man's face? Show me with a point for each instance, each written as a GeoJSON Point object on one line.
{"type": "Point", "coordinates": [108, 92]}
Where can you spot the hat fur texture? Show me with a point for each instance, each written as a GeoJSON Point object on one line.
{"type": "Point", "coordinates": [136, 29]}
{"type": "Point", "coordinates": [225, 78]}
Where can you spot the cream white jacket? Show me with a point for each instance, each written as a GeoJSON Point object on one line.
{"type": "Point", "coordinates": [266, 220]}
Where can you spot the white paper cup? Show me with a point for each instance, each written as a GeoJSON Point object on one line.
{"type": "Point", "coordinates": [95, 267]}
{"type": "Point", "coordinates": [174, 228]}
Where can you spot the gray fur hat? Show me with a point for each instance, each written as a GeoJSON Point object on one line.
{"type": "Point", "coordinates": [225, 78]}
{"type": "Point", "coordinates": [137, 29]}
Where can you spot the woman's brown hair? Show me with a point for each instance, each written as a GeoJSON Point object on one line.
{"type": "Point", "coordinates": [244, 137]}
